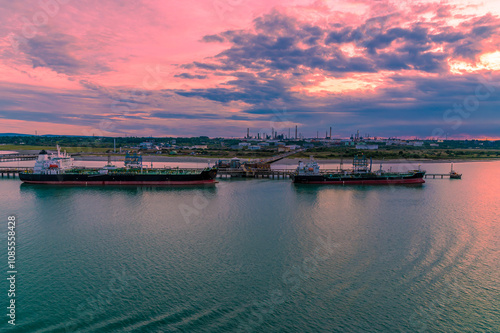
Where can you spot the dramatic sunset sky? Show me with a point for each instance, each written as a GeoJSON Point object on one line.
{"type": "Point", "coordinates": [215, 67]}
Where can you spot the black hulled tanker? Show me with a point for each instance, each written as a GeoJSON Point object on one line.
{"type": "Point", "coordinates": [58, 170]}
{"type": "Point", "coordinates": [361, 174]}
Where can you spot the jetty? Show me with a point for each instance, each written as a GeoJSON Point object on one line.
{"type": "Point", "coordinates": [276, 158]}
{"type": "Point", "coordinates": [437, 175]}
{"type": "Point", "coordinates": [234, 169]}
{"type": "Point", "coordinates": [255, 173]}
{"type": "Point", "coordinates": [17, 157]}
{"type": "Point", "coordinates": [12, 171]}
{"type": "Point", "coordinates": [8, 172]}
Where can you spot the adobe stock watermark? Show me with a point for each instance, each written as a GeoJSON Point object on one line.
{"type": "Point", "coordinates": [129, 101]}
{"type": "Point", "coordinates": [30, 28]}
{"type": "Point", "coordinates": [95, 305]}
{"type": "Point", "coordinates": [292, 279]}
{"type": "Point", "coordinates": [423, 316]}
{"type": "Point", "coordinates": [11, 269]}
{"type": "Point", "coordinates": [470, 104]}
{"type": "Point", "coordinates": [403, 165]}
{"type": "Point", "coordinates": [199, 202]}
{"type": "Point", "coordinates": [280, 121]}
{"type": "Point", "coordinates": [223, 7]}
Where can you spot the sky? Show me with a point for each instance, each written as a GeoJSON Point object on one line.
{"type": "Point", "coordinates": [408, 69]}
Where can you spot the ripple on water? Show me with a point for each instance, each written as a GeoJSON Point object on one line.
{"type": "Point", "coordinates": [407, 258]}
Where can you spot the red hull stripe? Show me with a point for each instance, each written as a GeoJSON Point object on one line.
{"type": "Point", "coordinates": [369, 182]}
{"type": "Point", "coordinates": [195, 182]}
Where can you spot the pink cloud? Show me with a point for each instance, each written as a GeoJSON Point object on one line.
{"type": "Point", "coordinates": [153, 60]}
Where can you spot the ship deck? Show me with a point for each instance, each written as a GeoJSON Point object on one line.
{"type": "Point", "coordinates": [123, 171]}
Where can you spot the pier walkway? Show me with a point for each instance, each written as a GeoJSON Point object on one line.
{"type": "Point", "coordinates": [256, 173]}
{"type": "Point", "coordinates": [12, 171]}
{"type": "Point", "coordinates": [437, 175]}
{"type": "Point", "coordinates": [224, 173]}
{"type": "Point", "coordinates": [17, 157]}
{"type": "Point", "coordinates": [276, 158]}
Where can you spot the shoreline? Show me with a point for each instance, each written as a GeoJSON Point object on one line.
{"type": "Point", "coordinates": [377, 161]}
{"type": "Point", "coordinates": [286, 161]}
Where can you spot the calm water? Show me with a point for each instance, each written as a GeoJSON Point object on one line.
{"type": "Point", "coordinates": [258, 255]}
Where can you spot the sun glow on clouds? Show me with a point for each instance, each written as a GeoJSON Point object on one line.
{"type": "Point", "coordinates": [221, 66]}
{"type": "Point", "coordinates": [351, 50]}
{"type": "Point", "coordinates": [362, 83]}
{"type": "Point", "coordinates": [486, 62]}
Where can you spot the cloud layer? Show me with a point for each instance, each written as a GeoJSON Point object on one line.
{"type": "Point", "coordinates": [201, 68]}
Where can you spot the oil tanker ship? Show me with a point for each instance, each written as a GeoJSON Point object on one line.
{"type": "Point", "coordinates": [59, 170]}
{"type": "Point", "coordinates": [361, 174]}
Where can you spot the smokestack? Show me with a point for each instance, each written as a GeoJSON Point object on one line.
{"type": "Point", "coordinates": [295, 132]}
{"type": "Point", "coordinates": [330, 132]}
{"type": "Point", "coordinates": [248, 133]}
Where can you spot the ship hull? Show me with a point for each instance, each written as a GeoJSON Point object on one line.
{"type": "Point", "coordinates": [203, 178]}
{"type": "Point", "coordinates": [416, 178]}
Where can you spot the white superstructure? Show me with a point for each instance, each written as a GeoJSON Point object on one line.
{"type": "Point", "coordinates": [310, 168]}
{"type": "Point", "coordinates": [51, 164]}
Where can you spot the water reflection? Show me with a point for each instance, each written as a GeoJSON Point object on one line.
{"type": "Point", "coordinates": [407, 257]}
{"type": "Point", "coordinates": [45, 189]}
{"type": "Point", "coordinates": [316, 188]}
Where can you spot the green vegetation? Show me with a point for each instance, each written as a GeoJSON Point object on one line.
{"type": "Point", "coordinates": [71, 150]}
{"type": "Point", "coordinates": [221, 148]}
{"type": "Point", "coordinates": [398, 152]}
